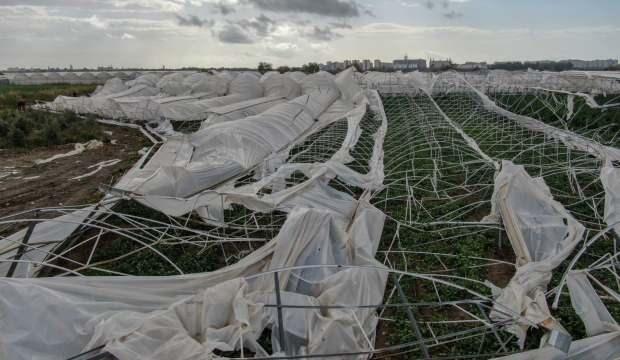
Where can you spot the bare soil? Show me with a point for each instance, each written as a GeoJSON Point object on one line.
{"type": "Point", "coordinates": [30, 186]}
{"type": "Point", "coordinates": [501, 274]}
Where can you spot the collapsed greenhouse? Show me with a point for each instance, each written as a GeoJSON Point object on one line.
{"type": "Point", "coordinates": [377, 215]}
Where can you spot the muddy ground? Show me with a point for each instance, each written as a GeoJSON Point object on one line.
{"type": "Point", "coordinates": [25, 185]}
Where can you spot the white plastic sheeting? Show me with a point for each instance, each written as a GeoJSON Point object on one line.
{"type": "Point", "coordinates": [278, 85]}
{"type": "Point", "coordinates": [186, 317]}
{"type": "Point", "coordinates": [246, 83]}
{"type": "Point", "coordinates": [154, 108]}
{"type": "Point", "coordinates": [182, 96]}
{"type": "Point", "coordinates": [112, 86]}
{"type": "Point", "coordinates": [223, 150]}
{"type": "Point", "coordinates": [588, 305]}
{"type": "Point", "coordinates": [602, 347]}
{"type": "Point", "coordinates": [241, 110]}
{"type": "Point", "coordinates": [209, 85]}
{"type": "Point", "coordinates": [104, 105]}
{"type": "Point", "coordinates": [215, 154]}
{"type": "Point", "coordinates": [178, 151]}
{"type": "Point", "coordinates": [190, 315]}
{"type": "Point", "coordinates": [45, 236]}
{"type": "Point", "coordinates": [244, 87]}
{"type": "Point", "coordinates": [610, 178]}
{"type": "Point", "coordinates": [78, 148]}
{"type": "Point", "coordinates": [173, 84]}
{"type": "Point", "coordinates": [149, 79]}
{"type": "Point", "coordinates": [298, 76]}
{"type": "Point", "coordinates": [542, 234]}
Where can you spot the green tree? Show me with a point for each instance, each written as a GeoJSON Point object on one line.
{"type": "Point", "coordinates": [310, 68]}
{"type": "Point", "coordinates": [284, 69]}
{"type": "Point", "coordinates": [264, 67]}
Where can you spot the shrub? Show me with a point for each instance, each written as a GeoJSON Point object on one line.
{"type": "Point", "coordinates": [51, 133]}
{"type": "Point", "coordinates": [18, 137]}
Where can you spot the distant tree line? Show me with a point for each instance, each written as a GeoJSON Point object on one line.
{"type": "Point", "coordinates": [309, 68]}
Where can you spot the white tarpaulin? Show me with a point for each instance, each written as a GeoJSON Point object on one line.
{"type": "Point", "coordinates": [610, 178]}
{"type": "Point", "coordinates": [241, 110]}
{"type": "Point", "coordinates": [44, 237]}
{"type": "Point", "coordinates": [189, 316]}
{"type": "Point", "coordinates": [215, 154]}
{"type": "Point", "coordinates": [173, 84]}
{"type": "Point", "coordinates": [542, 234]}
{"type": "Point", "coordinates": [178, 152]}
{"type": "Point", "coordinates": [588, 305]}
{"type": "Point", "coordinates": [112, 86]}
{"type": "Point", "coordinates": [602, 347]}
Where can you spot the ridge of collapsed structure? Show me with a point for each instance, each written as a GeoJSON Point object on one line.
{"type": "Point", "coordinates": [356, 216]}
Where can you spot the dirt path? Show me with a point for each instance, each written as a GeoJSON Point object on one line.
{"type": "Point", "coordinates": [25, 185]}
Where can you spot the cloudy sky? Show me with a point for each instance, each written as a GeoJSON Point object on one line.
{"type": "Point", "coordinates": [175, 33]}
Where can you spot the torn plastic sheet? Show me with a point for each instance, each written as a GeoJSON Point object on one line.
{"type": "Point", "coordinates": [45, 236]}
{"type": "Point", "coordinates": [313, 193]}
{"type": "Point", "coordinates": [232, 314]}
{"type": "Point", "coordinates": [210, 204]}
{"type": "Point", "coordinates": [97, 167]}
{"type": "Point", "coordinates": [153, 108]}
{"type": "Point", "coordinates": [610, 178]}
{"type": "Point", "coordinates": [78, 149]}
{"type": "Point", "coordinates": [151, 316]}
{"type": "Point", "coordinates": [588, 305]}
{"type": "Point", "coordinates": [215, 154]}
{"type": "Point", "coordinates": [601, 347]}
{"type": "Point", "coordinates": [241, 110]}
{"type": "Point", "coordinates": [542, 234]}
{"type": "Point", "coordinates": [104, 106]}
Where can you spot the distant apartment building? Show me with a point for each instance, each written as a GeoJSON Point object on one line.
{"type": "Point", "coordinates": [367, 65]}
{"type": "Point", "coordinates": [437, 65]}
{"type": "Point", "coordinates": [592, 64]}
{"type": "Point", "coordinates": [471, 66]}
{"type": "Point", "coordinates": [332, 66]}
{"type": "Point", "coordinates": [378, 64]}
{"type": "Point", "coordinates": [407, 64]}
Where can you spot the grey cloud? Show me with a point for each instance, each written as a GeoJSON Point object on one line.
{"type": "Point", "coordinates": [336, 8]}
{"type": "Point", "coordinates": [233, 34]}
{"type": "Point", "coordinates": [223, 8]}
{"type": "Point", "coordinates": [323, 34]}
{"type": "Point", "coordinates": [445, 6]}
{"type": "Point", "coordinates": [193, 20]}
{"type": "Point", "coordinates": [262, 25]}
